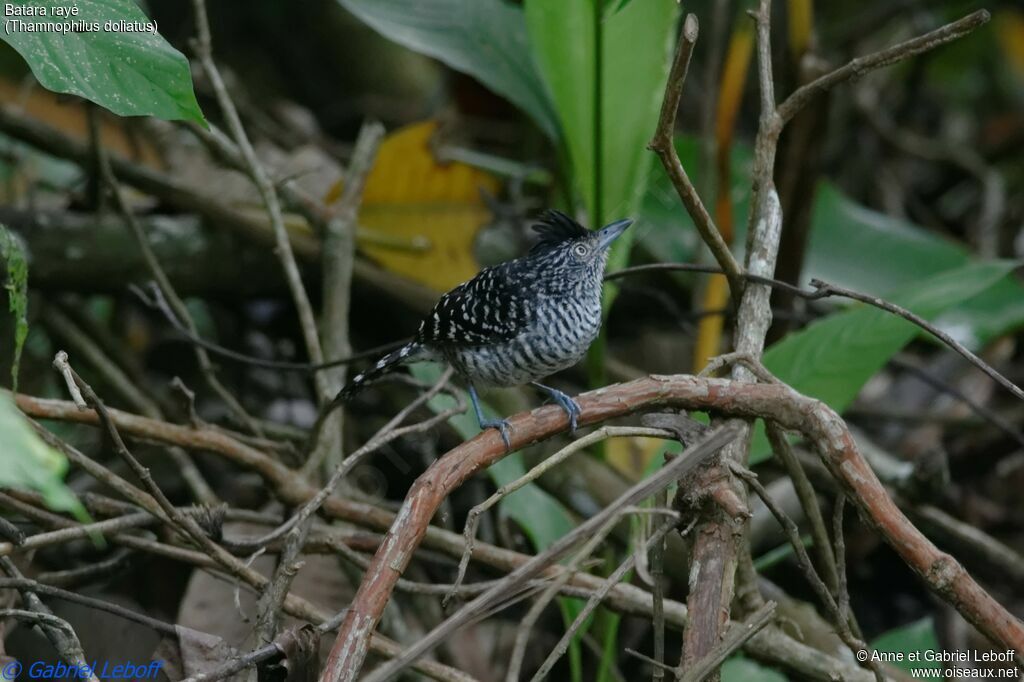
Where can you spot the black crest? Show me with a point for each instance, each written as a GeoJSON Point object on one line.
{"type": "Point", "coordinates": [554, 228]}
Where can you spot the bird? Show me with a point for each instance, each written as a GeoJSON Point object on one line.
{"type": "Point", "coordinates": [516, 322]}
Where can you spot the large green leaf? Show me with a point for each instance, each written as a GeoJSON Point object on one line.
{"type": "Point", "coordinates": [606, 73]}
{"type": "Point", "coordinates": [850, 245]}
{"type": "Point", "coordinates": [484, 38]}
{"type": "Point", "coordinates": [27, 462]}
{"type": "Point", "coordinates": [832, 358]}
{"type": "Point", "coordinates": [901, 253]}
{"type": "Point", "coordinates": [130, 72]}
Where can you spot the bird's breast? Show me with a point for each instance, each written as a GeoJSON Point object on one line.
{"type": "Point", "coordinates": [558, 335]}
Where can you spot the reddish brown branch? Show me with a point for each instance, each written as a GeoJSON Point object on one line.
{"type": "Point", "coordinates": [812, 418]}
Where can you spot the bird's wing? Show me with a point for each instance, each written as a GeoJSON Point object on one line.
{"type": "Point", "coordinates": [490, 307]}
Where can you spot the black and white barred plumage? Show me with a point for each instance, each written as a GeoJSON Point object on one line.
{"type": "Point", "coordinates": [518, 321]}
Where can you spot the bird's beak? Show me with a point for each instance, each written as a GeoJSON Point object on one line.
{"type": "Point", "coordinates": [606, 235]}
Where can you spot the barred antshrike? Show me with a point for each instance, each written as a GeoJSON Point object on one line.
{"type": "Point", "coordinates": [519, 321]}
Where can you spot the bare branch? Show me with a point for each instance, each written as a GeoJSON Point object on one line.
{"type": "Point", "coordinates": [663, 144]}
{"type": "Point", "coordinates": [268, 193]}
{"type": "Point", "coordinates": [735, 638]}
{"type": "Point", "coordinates": [349, 650]}
{"type": "Point", "coordinates": [861, 65]}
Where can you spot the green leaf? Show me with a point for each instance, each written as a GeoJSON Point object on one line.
{"type": "Point", "coordinates": [27, 462]}
{"type": "Point", "coordinates": [613, 6]}
{"type": "Point", "coordinates": [902, 253]}
{"type": "Point", "coordinates": [131, 73]}
{"type": "Point", "coordinates": [832, 358]}
{"type": "Point", "coordinates": [742, 669]}
{"type": "Point", "coordinates": [918, 636]}
{"type": "Point", "coordinates": [16, 284]}
{"type": "Point", "coordinates": [607, 97]}
{"type": "Point", "coordinates": [484, 38]}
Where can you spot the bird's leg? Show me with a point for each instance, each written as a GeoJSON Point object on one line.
{"type": "Point", "coordinates": [500, 424]}
{"type": "Point", "coordinates": [565, 401]}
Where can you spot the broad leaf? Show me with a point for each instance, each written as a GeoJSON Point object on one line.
{"type": "Point", "coordinates": [27, 462]}
{"type": "Point", "coordinates": [606, 74]}
{"type": "Point", "coordinates": [411, 199]}
{"type": "Point", "coordinates": [130, 72]}
{"type": "Point", "coordinates": [893, 253]}
{"type": "Point", "coordinates": [483, 38]}
{"type": "Point", "coordinates": [831, 359]}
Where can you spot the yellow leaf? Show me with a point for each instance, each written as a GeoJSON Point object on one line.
{"type": "Point", "coordinates": [419, 218]}
{"type": "Point", "coordinates": [801, 24]}
{"type": "Point", "coordinates": [1009, 25]}
{"type": "Point", "coordinates": [630, 456]}
{"type": "Point", "coordinates": [730, 96]}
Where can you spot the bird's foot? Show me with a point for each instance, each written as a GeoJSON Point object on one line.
{"type": "Point", "coordinates": [566, 402]}
{"type": "Point", "coordinates": [503, 429]}
{"type": "Point", "coordinates": [500, 424]}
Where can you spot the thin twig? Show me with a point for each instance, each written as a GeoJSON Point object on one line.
{"type": "Point", "coordinates": [808, 500]}
{"type": "Point", "coordinates": [595, 599]}
{"type": "Point", "coordinates": [824, 290]}
{"type": "Point", "coordinates": [530, 619]}
{"type": "Point", "coordinates": [814, 580]}
{"type": "Point", "coordinates": [307, 321]}
{"type": "Point", "coordinates": [663, 144]}
{"type": "Point", "coordinates": [736, 637]}
{"type": "Point", "coordinates": [268, 608]}
{"type": "Point", "coordinates": [385, 435]}
{"type": "Point", "coordinates": [163, 627]}
{"type": "Point", "coordinates": [166, 288]}
{"type": "Point", "coordinates": [67, 329]}
{"type": "Point", "coordinates": [657, 571]}
{"type": "Point", "coordinates": [154, 299]}
{"type": "Point", "coordinates": [473, 518]}
{"type": "Point", "coordinates": [60, 363]}
{"type": "Point", "coordinates": [839, 549]}
{"type": "Point", "coordinates": [58, 631]}
{"type": "Point", "coordinates": [862, 65]}
{"type": "Point", "coordinates": [339, 253]}
{"type": "Point", "coordinates": [346, 668]}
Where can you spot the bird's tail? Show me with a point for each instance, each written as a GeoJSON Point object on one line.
{"type": "Point", "coordinates": [388, 363]}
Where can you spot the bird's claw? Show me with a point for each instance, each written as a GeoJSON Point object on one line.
{"type": "Point", "coordinates": [503, 429]}
{"type": "Point", "coordinates": [571, 407]}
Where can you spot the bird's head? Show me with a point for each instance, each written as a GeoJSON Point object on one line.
{"type": "Point", "coordinates": [572, 247]}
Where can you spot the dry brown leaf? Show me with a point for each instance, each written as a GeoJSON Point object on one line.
{"type": "Point", "coordinates": [420, 217]}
